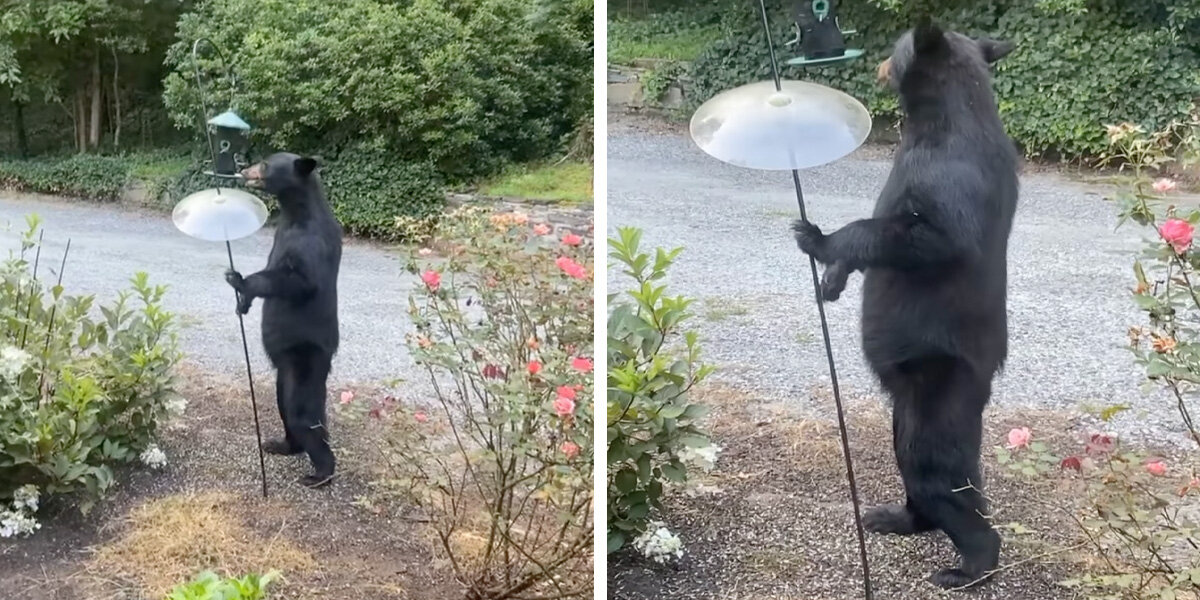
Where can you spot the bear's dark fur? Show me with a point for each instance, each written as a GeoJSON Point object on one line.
{"type": "Point", "coordinates": [299, 292]}
{"type": "Point", "coordinates": [934, 257]}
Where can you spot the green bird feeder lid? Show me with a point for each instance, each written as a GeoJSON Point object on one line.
{"type": "Point", "coordinates": [230, 120]}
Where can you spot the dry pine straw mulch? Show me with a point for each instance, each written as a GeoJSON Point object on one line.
{"type": "Point", "coordinates": [205, 510]}
{"type": "Point", "coordinates": [774, 520]}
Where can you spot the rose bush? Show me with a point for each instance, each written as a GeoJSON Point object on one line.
{"type": "Point", "coordinates": [504, 328]}
{"type": "Point", "coordinates": [77, 394]}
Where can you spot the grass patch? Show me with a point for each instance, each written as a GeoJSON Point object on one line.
{"type": "Point", "coordinates": [566, 182]}
{"type": "Point", "coordinates": [631, 40]}
{"type": "Point", "coordinates": [719, 309]}
{"type": "Point", "coordinates": [677, 33]}
{"type": "Point", "coordinates": [167, 541]}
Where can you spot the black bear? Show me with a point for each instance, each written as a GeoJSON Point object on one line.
{"type": "Point", "coordinates": [934, 262]}
{"type": "Point", "coordinates": [299, 311]}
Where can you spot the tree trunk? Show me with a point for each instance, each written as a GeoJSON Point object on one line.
{"type": "Point", "coordinates": [97, 105]}
{"type": "Point", "coordinates": [19, 127]}
{"type": "Point", "coordinates": [116, 100]}
{"type": "Point", "coordinates": [80, 120]}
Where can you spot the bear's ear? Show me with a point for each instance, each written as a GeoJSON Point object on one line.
{"type": "Point", "coordinates": [927, 36]}
{"type": "Point", "coordinates": [994, 50]}
{"type": "Point", "coordinates": [305, 166]}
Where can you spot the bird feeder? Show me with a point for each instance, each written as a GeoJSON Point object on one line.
{"type": "Point", "coordinates": [822, 40]}
{"type": "Point", "coordinates": [230, 137]}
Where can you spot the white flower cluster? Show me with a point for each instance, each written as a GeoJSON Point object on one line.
{"type": "Point", "coordinates": [658, 543]}
{"type": "Point", "coordinates": [705, 458]}
{"type": "Point", "coordinates": [18, 520]}
{"type": "Point", "coordinates": [176, 407]}
{"type": "Point", "coordinates": [154, 457]}
{"type": "Point", "coordinates": [12, 362]}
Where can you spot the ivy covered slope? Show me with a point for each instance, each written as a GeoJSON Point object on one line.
{"type": "Point", "coordinates": [1078, 64]}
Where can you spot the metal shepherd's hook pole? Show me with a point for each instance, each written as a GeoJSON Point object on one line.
{"type": "Point", "coordinates": [262, 462]}
{"type": "Point", "coordinates": [837, 396]}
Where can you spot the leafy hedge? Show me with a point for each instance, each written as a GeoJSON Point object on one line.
{"type": "Point", "coordinates": [1079, 63]}
{"type": "Point", "coordinates": [463, 84]}
{"type": "Point", "coordinates": [85, 176]}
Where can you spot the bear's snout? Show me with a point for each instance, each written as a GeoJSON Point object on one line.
{"type": "Point", "coordinates": [253, 175]}
{"type": "Point", "coordinates": [883, 73]}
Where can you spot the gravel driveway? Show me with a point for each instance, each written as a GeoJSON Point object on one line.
{"type": "Point", "coordinates": [108, 245]}
{"type": "Point", "coordinates": [1069, 277]}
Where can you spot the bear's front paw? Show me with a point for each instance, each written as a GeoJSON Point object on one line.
{"type": "Point", "coordinates": [834, 281]}
{"type": "Point", "coordinates": [810, 240]}
{"type": "Point", "coordinates": [234, 279]}
{"type": "Point", "coordinates": [244, 302]}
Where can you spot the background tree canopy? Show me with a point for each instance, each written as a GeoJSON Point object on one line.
{"type": "Point", "coordinates": [398, 97]}
{"type": "Point", "coordinates": [1078, 64]}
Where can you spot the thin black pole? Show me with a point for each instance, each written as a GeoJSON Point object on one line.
{"type": "Point", "coordinates": [837, 395]}
{"type": "Point", "coordinates": [262, 463]}
{"type": "Point", "coordinates": [53, 312]}
{"type": "Point", "coordinates": [37, 259]}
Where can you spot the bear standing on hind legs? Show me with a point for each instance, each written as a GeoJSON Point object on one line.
{"type": "Point", "coordinates": [299, 292]}
{"type": "Point", "coordinates": [934, 262]}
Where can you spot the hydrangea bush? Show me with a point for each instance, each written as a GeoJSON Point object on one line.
{"type": "Point", "coordinates": [78, 394]}
{"type": "Point", "coordinates": [654, 433]}
{"type": "Point", "coordinates": [503, 462]}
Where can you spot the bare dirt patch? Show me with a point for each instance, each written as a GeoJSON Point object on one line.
{"type": "Point", "coordinates": [774, 520]}
{"type": "Point", "coordinates": [205, 510]}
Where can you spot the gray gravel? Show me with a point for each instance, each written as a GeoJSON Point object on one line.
{"type": "Point", "coordinates": [109, 244]}
{"type": "Point", "coordinates": [1069, 278]}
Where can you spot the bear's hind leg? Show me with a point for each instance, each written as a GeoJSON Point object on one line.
{"type": "Point", "coordinates": [287, 445]}
{"type": "Point", "coordinates": [306, 413]}
{"type": "Point", "coordinates": [942, 432]}
{"type": "Point", "coordinates": [898, 519]}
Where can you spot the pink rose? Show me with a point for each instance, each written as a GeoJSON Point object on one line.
{"type": "Point", "coordinates": [572, 240]}
{"type": "Point", "coordinates": [570, 449]}
{"type": "Point", "coordinates": [1100, 444]}
{"type": "Point", "coordinates": [1164, 185]}
{"type": "Point", "coordinates": [1071, 462]}
{"type": "Point", "coordinates": [566, 391]}
{"type": "Point", "coordinates": [1156, 467]}
{"type": "Point", "coordinates": [534, 367]}
{"type": "Point", "coordinates": [1018, 438]}
{"type": "Point", "coordinates": [347, 397]}
{"type": "Point", "coordinates": [420, 417]}
{"type": "Point", "coordinates": [1177, 233]}
{"type": "Point", "coordinates": [541, 229]}
{"type": "Point", "coordinates": [581, 364]}
{"type": "Point", "coordinates": [432, 279]}
{"type": "Point", "coordinates": [571, 267]}
{"type": "Point", "coordinates": [564, 407]}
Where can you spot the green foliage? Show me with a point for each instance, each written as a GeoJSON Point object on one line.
{"type": "Point", "coordinates": [78, 394]}
{"type": "Point", "coordinates": [677, 34]}
{"type": "Point", "coordinates": [210, 586]}
{"type": "Point", "coordinates": [369, 188]}
{"type": "Point", "coordinates": [1052, 90]}
{"type": "Point", "coordinates": [504, 328]}
{"type": "Point", "coordinates": [651, 423]}
{"type": "Point", "coordinates": [85, 176]}
{"type": "Point", "coordinates": [466, 85]}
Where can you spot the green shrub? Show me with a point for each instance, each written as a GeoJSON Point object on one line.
{"type": "Point", "coordinates": [87, 176]}
{"type": "Point", "coordinates": [653, 430]}
{"type": "Point", "coordinates": [1053, 91]}
{"type": "Point", "coordinates": [78, 394]}
{"type": "Point", "coordinates": [368, 188]}
{"type": "Point", "coordinates": [210, 586]}
{"type": "Point", "coordinates": [466, 85]}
